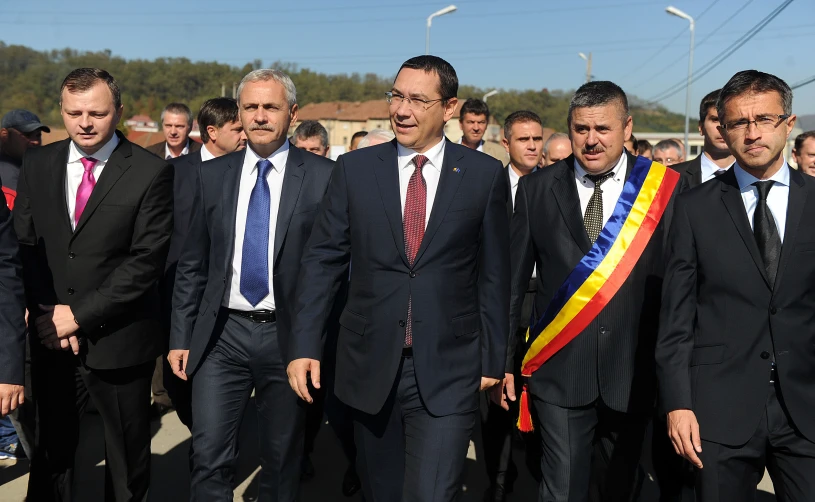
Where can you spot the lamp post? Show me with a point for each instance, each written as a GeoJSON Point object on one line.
{"type": "Point", "coordinates": [588, 64]}
{"type": "Point", "coordinates": [678, 13]}
{"type": "Point", "coordinates": [446, 10]}
{"type": "Point", "coordinates": [489, 94]}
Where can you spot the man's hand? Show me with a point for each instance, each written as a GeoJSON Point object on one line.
{"type": "Point", "coordinates": [178, 362]}
{"type": "Point", "coordinates": [11, 396]}
{"type": "Point", "coordinates": [58, 320]}
{"type": "Point", "coordinates": [487, 382]}
{"type": "Point", "coordinates": [299, 380]}
{"type": "Point", "coordinates": [683, 429]}
{"type": "Point", "coordinates": [505, 392]}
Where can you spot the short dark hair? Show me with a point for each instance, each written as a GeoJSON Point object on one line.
{"type": "Point", "coordinates": [643, 146]}
{"type": "Point", "coordinates": [83, 79]}
{"type": "Point", "coordinates": [309, 129]}
{"type": "Point", "coordinates": [358, 134]}
{"type": "Point", "coordinates": [177, 109]}
{"type": "Point", "coordinates": [448, 80]}
{"type": "Point", "coordinates": [216, 112]}
{"type": "Point", "coordinates": [598, 93]}
{"type": "Point", "coordinates": [476, 107]}
{"type": "Point", "coordinates": [799, 140]}
{"type": "Point", "coordinates": [633, 140]}
{"type": "Point", "coordinates": [667, 143]}
{"type": "Point", "coordinates": [753, 82]}
{"type": "Point", "coordinates": [519, 116]}
{"type": "Point", "coordinates": [708, 102]}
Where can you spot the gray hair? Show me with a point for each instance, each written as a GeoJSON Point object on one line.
{"type": "Point", "coordinates": [310, 129]}
{"type": "Point", "coordinates": [598, 93]}
{"type": "Point", "coordinates": [377, 134]}
{"type": "Point", "coordinates": [177, 109]}
{"type": "Point", "coordinates": [665, 144]}
{"type": "Point", "coordinates": [554, 137]}
{"type": "Point", "coordinates": [266, 74]}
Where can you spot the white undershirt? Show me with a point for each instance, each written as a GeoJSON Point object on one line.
{"type": "Point", "coordinates": [75, 171]}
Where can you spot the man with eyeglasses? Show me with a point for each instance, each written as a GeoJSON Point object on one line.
{"type": "Point", "coordinates": [424, 222]}
{"type": "Point", "coordinates": [735, 346]}
{"type": "Point", "coordinates": [668, 152]}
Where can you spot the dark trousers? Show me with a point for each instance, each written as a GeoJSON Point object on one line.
{"type": "Point", "coordinates": [179, 393]}
{"type": "Point", "coordinates": [157, 388]}
{"type": "Point", "coordinates": [314, 419]}
{"type": "Point", "coordinates": [731, 473]}
{"type": "Point", "coordinates": [24, 418]}
{"type": "Point", "coordinates": [246, 356]}
{"type": "Point", "coordinates": [406, 454]}
{"type": "Point", "coordinates": [674, 474]}
{"type": "Point", "coordinates": [586, 449]}
{"type": "Point", "coordinates": [497, 426]}
{"type": "Point", "coordinates": [121, 396]}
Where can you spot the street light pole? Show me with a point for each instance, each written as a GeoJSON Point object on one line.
{"type": "Point", "coordinates": [678, 13]}
{"type": "Point", "coordinates": [489, 94]}
{"type": "Point", "coordinates": [446, 10]}
{"type": "Point", "coordinates": [588, 64]}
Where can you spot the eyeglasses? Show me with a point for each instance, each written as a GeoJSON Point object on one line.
{"type": "Point", "coordinates": [764, 123]}
{"type": "Point", "coordinates": [414, 104]}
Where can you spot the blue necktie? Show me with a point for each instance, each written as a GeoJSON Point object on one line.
{"type": "Point", "coordinates": [255, 256]}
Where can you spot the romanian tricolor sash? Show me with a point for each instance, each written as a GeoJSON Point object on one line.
{"type": "Point", "coordinates": [600, 274]}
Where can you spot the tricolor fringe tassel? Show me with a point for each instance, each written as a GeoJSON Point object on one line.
{"type": "Point", "coordinates": [525, 417]}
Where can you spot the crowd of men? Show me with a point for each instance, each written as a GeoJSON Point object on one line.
{"type": "Point", "coordinates": [408, 289]}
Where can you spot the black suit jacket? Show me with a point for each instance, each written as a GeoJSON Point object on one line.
{"type": "Point", "coordinates": [721, 320]}
{"type": "Point", "coordinates": [613, 358]}
{"type": "Point", "coordinates": [12, 304]}
{"type": "Point", "coordinates": [691, 171]}
{"type": "Point", "coordinates": [204, 268]}
{"type": "Point", "coordinates": [108, 269]}
{"type": "Point", "coordinates": [459, 282]}
{"type": "Point", "coordinates": [158, 149]}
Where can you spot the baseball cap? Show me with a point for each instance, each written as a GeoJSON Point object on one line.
{"type": "Point", "coordinates": [23, 120]}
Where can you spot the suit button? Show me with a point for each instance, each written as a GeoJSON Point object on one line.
{"type": "Point", "coordinates": [603, 330]}
{"type": "Point", "coordinates": [412, 274]}
{"type": "Point", "coordinates": [401, 324]}
{"type": "Point", "coordinates": [765, 355]}
{"type": "Point", "coordinates": [71, 256]}
{"type": "Point", "coordinates": [773, 310]}
{"type": "Point", "coordinates": [70, 291]}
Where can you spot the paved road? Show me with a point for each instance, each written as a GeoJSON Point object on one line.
{"type": "Point", "coordinates": [170, 478]}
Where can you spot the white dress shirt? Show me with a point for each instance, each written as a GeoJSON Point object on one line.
{"type": "Point", "coordinates": [75, 171]}
{"type": "Point", "coordinates": [431, 173]}
{"type": "Point", "coordinates": [206, 154]}
{"type": "Point", "coordinates": [612, 187]}
{"type": "Point", "coordinates": [709, 168]}
{"type": "Point", "coordinates": [480, 144]}
{"type": "Point", "coordinates": [169, 155]}
{"type": "Point", "coordinates": [249, 176]}
{"type": "Point", "coordinates": [777, 198]}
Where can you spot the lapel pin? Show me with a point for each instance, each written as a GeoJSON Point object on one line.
{"type": "Point", "coordinates": [456, 170]}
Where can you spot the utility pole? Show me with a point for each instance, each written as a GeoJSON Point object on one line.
{"type": "Point", "coordinates": [588, 65]}
{"type": "Point", "coordinates": [223, 89]}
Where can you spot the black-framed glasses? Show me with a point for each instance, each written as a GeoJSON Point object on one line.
{"type": "Point", "coordinates": [765, 123]}
{"type": "Point", "coordinates": [414, 104]}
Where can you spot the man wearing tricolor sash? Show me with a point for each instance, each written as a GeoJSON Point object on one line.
{"type": "Point", "coordinates": [594, 224]}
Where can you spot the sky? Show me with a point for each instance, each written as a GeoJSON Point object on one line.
{"type": "Point", "coordinates": [508, 44]}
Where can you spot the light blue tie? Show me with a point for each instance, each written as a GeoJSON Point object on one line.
{"type": "Point", "coordinates": [255, 257]}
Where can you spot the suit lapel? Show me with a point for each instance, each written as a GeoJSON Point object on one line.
{"type": "Point", "coordinates": [116, 166]}
{"type": "Point", "coordinates": [448, 186]}
{"type": "Point", "coordinates": [731, 197]}
{"type": "Point", "coordinates": [795, 207]}
{"type": "Point", "coordinates": [565, 192]}
{"type": "Point", "coordinates": [387, 178]}
{"type": "Point", "coordinates": [58, 174]}
{"type": "Point", "coordinates": [229, 207]}
{"type": "Point", "coordinates": [292, 181]}
{"type": "Point", "coordinates": [695, 170]}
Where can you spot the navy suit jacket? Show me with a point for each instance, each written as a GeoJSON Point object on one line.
{"type": "Point", "coordinates": [206, 259]}
{"type": "Point", "coordinates": [459, 282]}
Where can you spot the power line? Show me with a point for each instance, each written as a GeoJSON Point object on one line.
{"type": "Point", "coordinates": [804, 82]}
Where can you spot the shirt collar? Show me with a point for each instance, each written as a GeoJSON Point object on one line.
{"type": "Point", "coordinates": [278, 158]}
{"type": "Point", "coordinates": [101, 155]}
{"type": "Point", "coordinates": [206, 154]}
{"type": "Point", "coordinates": [435, 155]}
{"type": "Point", "coordinates": [709, 168]}
{"type": "Point", "coordinates": [618, 169]}
{"type": "Point", "coordinates": [514, 177]}
{"type": "Point", "coordinates": [745, 179]}
{"type": "Point", "coordinates": [168, 153]}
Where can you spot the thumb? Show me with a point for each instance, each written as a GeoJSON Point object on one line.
{"type": "Point", "coordinates": [315, 374]}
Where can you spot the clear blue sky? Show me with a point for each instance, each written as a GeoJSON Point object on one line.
{"type": "Point", "coordinates": [510, 44]}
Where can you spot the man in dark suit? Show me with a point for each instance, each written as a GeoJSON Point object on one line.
{"type": "Point", "coordinates": [233, 302]}
{"type": "Point", "coordinates": [423, 224]}
{"type": "Point", "coordinates": [176, 123]}
{"type": "Point", "coordinates": [715, 158]}
{"type": "Point", "coordinates": [598, 390]}
{"type": "Point", "coordinates": [94, 215]}
{"type": "Point", "coordinates": [736, 331]}
{"type": "Point", "coordinates": [222, 133]}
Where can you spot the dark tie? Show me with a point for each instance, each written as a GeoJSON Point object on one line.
{"type": "Point", "coordinates": [415, 212]}
{"type": "Point", "coordinates": [593, 219]}
{"type": "Point", "coordinates": [765, 231]}
{"type": "Point", "coordinates": [719, 172]}
{"type": "Point", "coordinates": [255, 256]}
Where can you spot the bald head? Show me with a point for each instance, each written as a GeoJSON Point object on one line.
{"type": "Point", "coordinates": [557, 147]}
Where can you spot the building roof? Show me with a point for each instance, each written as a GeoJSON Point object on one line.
{"type": "Point", "coordinates": [140, 118]}
{"type": "Point", "coordinates": [345, 110]}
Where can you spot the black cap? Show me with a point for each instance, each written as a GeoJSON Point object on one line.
{"type": "Point", "coordinates": [23, 120]}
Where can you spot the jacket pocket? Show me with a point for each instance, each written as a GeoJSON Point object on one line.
{"type": "Point", "coordinates": [710, 354]}
{"type": "Point", "coordinates": [466, 324]}
{"type": "Point", "coordinates": [353, 322]}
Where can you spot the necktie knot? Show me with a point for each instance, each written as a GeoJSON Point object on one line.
{"type": "Point", "coordinates": [88, 163]}
{"type": "Point", "coordinates": [599, 179]}
{"type": "Point", "coordinates": [719, 172]}
{"type": "Point", "coordinates": [263, 166]}
{"type": "Point", "coordinates": [763, 188]}
{"type": "Point", "coordinates": [420, 161]}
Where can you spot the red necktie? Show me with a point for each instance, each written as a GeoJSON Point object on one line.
{"type": "Point", "coordinates": [415, 212]}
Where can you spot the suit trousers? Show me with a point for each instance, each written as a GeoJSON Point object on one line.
{"type": "Point", "coordinates": [246, 356]}
{"type": "Point", "coordinates": [731, 473]}
{"type": "Point", "coordinates": [589, 453]}
{"type": "Point", "coordinates": [406, 454]}
{"type": "Point", "coordinates": [63, 388]}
